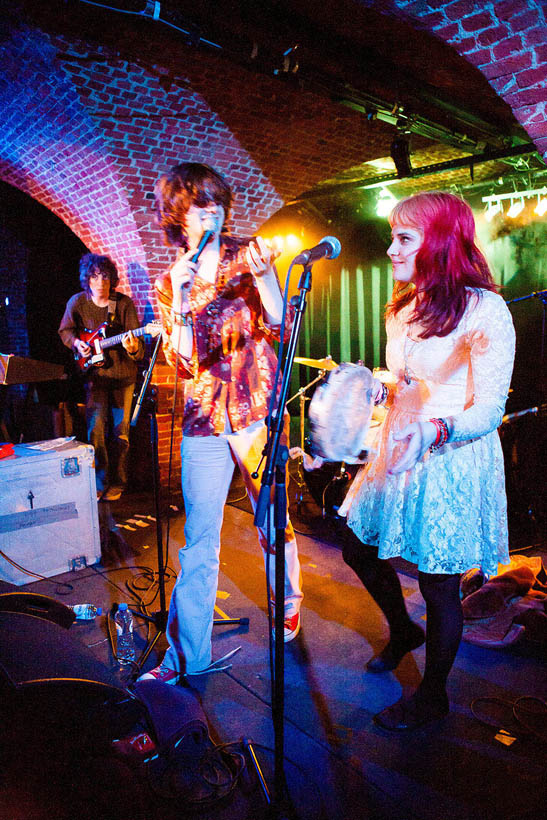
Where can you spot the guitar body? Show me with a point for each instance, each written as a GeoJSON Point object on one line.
{"type": "Point", "coordinates": [93, 338]}
{"type": "Point", "coordinates": [99, 341]}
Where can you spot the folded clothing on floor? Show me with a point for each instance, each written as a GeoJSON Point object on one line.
{"type": "Point", "coordinates": [495, 613]}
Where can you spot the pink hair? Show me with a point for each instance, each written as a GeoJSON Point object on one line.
{"type": "Point", "coordinates": [447, 263]}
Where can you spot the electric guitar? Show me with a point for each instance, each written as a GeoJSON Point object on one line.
{"type": "Point", "coordinates": [99, 341]}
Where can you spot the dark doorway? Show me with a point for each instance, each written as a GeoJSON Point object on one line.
{"type": "Point", "coordinates": [38, 273]}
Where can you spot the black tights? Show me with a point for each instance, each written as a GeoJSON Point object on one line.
{"type": "Point", "coordinates": [441, 594]}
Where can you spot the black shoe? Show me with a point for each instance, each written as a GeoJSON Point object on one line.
{"type": "Point", "coordinates": [412, 713]}
{"type": "Point", "coordinates": [391, 655]}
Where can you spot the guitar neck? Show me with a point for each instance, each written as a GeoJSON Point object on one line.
{"type": "Point", "coordinates": [115, 340]}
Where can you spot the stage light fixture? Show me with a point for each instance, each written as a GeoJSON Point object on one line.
{"type": "Point", "coordinates": [494, 202]}
{"type": "Point", "coordinates": [516, 208]}
{"type": "Point", "coordinates": [293, 241]}
{"type": "Point", "coordinates": [400, 154]}
{"type": "Point", "coordinates": [493, 209]}
{"type": "Point", "coordinates": [385, 203]}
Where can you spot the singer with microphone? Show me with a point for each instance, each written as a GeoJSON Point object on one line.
{"type": "Point", "coordinates": [221, 308]}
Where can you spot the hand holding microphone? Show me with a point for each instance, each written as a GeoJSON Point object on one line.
{"type": "Point", "coordinates": [182, 274]}
{"type": "Point", "coordinates": [185, 268]}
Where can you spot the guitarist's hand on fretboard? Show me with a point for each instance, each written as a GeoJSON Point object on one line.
{"type": "Point", "coordinates": [130, 343]}
{"type": "Point", "coordinates": [82, 348]}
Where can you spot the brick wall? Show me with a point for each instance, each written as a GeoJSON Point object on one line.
{"type": "Point", "coordinates": [506, 40]}
{"type": "Point", "coordinates": [87, 134]}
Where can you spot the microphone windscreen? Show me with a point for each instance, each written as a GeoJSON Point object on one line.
{"type": "Point", "coordinates": [335, 246]}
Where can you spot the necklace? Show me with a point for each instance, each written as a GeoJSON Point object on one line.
{"type": "Point", "coordinates": [408, 349]}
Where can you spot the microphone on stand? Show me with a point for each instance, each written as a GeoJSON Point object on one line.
{"type": "Point", "coordinates": [329, 247]}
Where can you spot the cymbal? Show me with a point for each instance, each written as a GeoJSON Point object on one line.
{"type": "Point", "coordinates": [321, 364]}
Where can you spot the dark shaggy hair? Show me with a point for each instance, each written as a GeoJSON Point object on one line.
{"type": "Point", "coordinates": [93, 263]}
{"type": "Point", "coordinates": [189, 183]}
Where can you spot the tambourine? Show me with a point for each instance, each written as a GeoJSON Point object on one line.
{"type": "Point", "coordinates": [340, 413]}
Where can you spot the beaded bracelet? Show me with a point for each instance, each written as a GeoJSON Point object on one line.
{"type": "Point", "coordinates": [442, 434]}
{"type": "Point", "coordinates": [383, 396]}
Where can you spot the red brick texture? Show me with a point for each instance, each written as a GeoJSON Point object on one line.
{"type": "Point", "coordinates": [505, 40]}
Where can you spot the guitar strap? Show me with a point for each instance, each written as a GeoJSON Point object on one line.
{"type": "Point", "coordinates": [111, 318]}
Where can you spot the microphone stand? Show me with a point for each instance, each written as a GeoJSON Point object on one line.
{"type": "Point", "coordinates": [542, 296]}
{"type": "Point", "coordinates": [276, 462]}
{"type": "Point", "coordinates": [301, 395]}
{"type": "Point", "coordinates": [159, 619]}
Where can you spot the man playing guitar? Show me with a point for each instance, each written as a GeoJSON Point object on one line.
{"type": "Point", "coordinates": [110, 384]}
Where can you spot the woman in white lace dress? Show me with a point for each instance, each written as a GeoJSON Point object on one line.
{"type": "Point", "coordinates": [435, 493]}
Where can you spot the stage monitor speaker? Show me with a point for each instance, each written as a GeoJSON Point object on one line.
{"type": "Point", "coordinates": [41, 606]}
{"type": "Point", "coordinates": [52, 684]}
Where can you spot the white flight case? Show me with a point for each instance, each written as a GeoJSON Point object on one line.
{"type": "Point", "coordinates": [49, 521]}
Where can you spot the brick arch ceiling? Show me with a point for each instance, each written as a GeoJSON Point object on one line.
{"type": "Point", "coordinates": [505, 39]}
{"type": "Point", "coordinates": [52, 148]}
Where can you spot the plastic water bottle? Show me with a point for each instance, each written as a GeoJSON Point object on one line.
{"type": "Point", "coordinates": [125, 650]}
{"type": "Point", "coordinates": [86, 612]}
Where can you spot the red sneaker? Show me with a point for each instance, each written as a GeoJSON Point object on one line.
{"type": "Point", "coordinates": [292, 626]}
{"type": "Point", "coordinates": [163, 674]}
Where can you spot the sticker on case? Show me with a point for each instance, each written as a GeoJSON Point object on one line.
{"type": "Point", "coordinates": [70, 467]}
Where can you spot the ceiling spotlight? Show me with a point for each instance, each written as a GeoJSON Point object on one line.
{"type": "Point", "coordinates": [292, 241]}
{"type": "Point", "coordinates": [541, 207]}
{"type": "Point", "coordinates": [516, 208]}
{"type": "Point", "coordinates": [400, 154]}
{"type": "Point", "coordinates": [493, 209]}
{"type": "Point", "coordinates": [386, 202]}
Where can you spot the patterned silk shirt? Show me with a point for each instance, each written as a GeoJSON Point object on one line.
{"type": "Point", "coordinates": [233, 363]}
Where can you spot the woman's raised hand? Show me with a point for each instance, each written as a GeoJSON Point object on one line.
{"type": "Point", "coordinates": [260, 256]}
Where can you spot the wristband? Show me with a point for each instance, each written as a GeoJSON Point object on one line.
{"type": "Point", "coordinates": [442, 434]}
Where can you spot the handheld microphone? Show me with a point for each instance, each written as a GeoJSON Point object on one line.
{"type": "Point", "coordinates": [329, 247]}
{"type": "Point", "coordinates": [206, 237]}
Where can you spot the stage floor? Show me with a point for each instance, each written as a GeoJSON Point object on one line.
{"type": "Point", "coordinates": [338, 764]}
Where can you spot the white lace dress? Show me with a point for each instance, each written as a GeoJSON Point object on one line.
{"type": "Point", "coordinates": [449, 513]}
